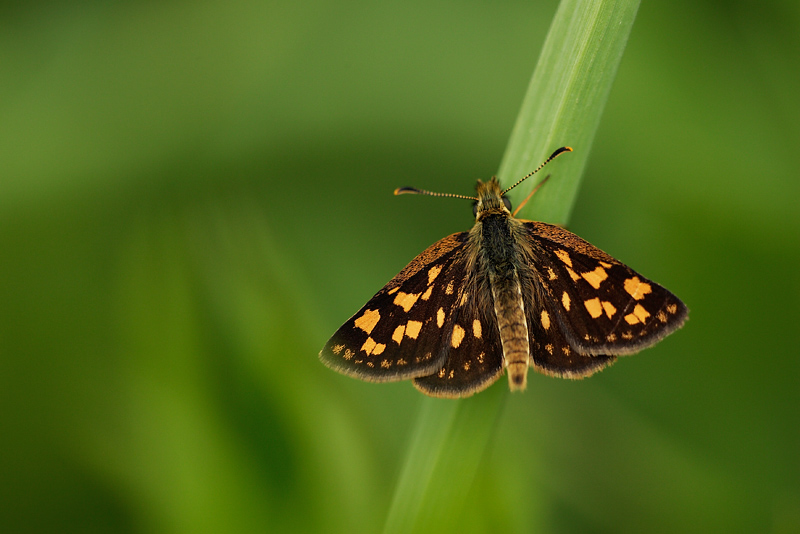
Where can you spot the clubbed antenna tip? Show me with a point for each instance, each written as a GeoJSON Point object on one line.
{"type": "Point", "coordinates": [407, 191]}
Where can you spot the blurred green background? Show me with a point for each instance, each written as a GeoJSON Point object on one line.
{"type": "Point", "coordinates": [195, 195]}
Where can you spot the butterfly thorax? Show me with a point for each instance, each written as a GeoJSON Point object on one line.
{"type": "Point", "coordinates": [494, 237]}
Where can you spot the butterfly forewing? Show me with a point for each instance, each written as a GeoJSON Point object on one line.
{"type": "Point", "coordinates": [398, 334]}
{"type": "Point", "coordinates": [600, 305]}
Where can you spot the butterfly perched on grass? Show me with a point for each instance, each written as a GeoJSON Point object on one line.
{"type": "Point", "coordinates": [507, 295]}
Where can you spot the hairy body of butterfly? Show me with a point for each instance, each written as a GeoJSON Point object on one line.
{"type": "Point", "coordinates": [509, 294]}
{"type": "Point", "coordinates": [497, 241]}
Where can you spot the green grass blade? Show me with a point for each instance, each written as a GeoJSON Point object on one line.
{"type": "Point", "coordinates": [565, 101]}
{"type": "Point", "coordinates": [427, 444]}
{"type": "Point", "coordinates": [563, 106]}
{"type": "Point", "coordinates": [434, 479]}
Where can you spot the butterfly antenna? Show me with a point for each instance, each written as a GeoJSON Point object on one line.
{"type": "Point", "coordinates": [553, 156]}
{"type": "Point", "coordinates": [415, 191]}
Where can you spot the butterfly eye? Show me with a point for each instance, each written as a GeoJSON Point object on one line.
{"type": "Point", "coordinates": [475, 209]}
{"type": "Point", "coordinates": [507, 202]}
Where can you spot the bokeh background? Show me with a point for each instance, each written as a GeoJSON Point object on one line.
{"type": "Point", "coordinates": [195, 195]}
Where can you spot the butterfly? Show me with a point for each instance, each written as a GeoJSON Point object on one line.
{"type": "Point", "coordinates": [507, 295]}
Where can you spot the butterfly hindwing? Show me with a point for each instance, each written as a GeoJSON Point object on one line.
{"type": "Point", "coordinates": [398, 334]}
{"type": "Point", "coordinates": [601, 305]}
{"type": "Point", "coordinates": [474, 357]}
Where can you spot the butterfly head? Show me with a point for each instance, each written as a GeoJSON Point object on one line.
{"type": "Point", "coordinates": [490, 200]}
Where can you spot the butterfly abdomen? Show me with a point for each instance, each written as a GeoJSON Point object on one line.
{"type": "Point", "coordinates": [501, 260]}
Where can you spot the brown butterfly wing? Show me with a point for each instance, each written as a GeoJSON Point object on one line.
{"type": "Point", "coordinates": [601, 306]}
{"type": "Point", "coordinates": [398, 334]}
